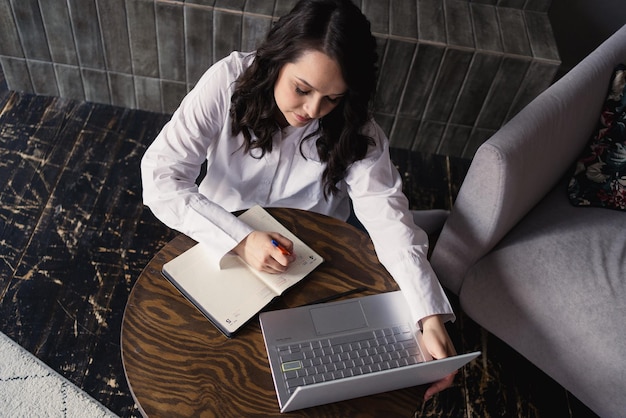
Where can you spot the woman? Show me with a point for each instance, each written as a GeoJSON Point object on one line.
{"type": "Point", "coordinates": [289, 126]}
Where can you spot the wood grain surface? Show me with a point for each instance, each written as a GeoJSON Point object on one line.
{"type": "Point", "coordinates": [178, 364]}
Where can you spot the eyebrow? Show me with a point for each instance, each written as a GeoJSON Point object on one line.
{"type": "Point", "coordinates": [312, 87]}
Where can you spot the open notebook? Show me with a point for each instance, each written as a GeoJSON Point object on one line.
{"type": "Point", "coordinates": [340, 350]}
{"type": "Point", "coordinates": [229, 297]}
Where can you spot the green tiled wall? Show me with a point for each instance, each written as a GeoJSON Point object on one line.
{"type": "Point", "coordinates": [452, 71]}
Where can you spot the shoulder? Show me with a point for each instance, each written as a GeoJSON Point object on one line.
{"type": "Point", "coordinates": [377, 151]}
{"type": "Point", "coordinates": [376, 170]}
{"type": "Point", "coordinates": [379, 141]}
{"type": "Point", "coordinates": [213, 91]}
{"type": "Point", "coordinates": [229, 68]}
{"type": "Point", "coordinates": [207, 105]}
{"type": "Point", "coordinates": [236, 62]}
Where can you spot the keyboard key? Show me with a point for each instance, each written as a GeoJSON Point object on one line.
{"type": "Point", "coordinates": [292, 383]}
{"type": "Point", "coordinates": [291, 366]}
{"type": "Point", "coordinates": [337, 374]}
{"type": "Point", "coordinates": [409, 344]}
{"type": "Point", "coordinates": [291, 357]}
{"type": "Point", "coordinates": [404, 336]}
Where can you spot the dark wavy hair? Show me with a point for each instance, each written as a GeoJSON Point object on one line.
{"type": "Point", "coordinates": [338, 29]}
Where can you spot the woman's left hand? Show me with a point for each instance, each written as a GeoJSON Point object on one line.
{"type": "Point", "coordinates": [439, 345]}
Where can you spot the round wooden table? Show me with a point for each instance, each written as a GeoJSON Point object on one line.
{"type": "Point", "coordinates": [178, 364]}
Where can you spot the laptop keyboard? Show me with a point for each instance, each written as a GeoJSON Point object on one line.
{"type": "Point", "coordinates": [357, 354]}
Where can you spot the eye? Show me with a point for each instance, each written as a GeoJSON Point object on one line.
{"type": "Point", "coordinates": [333, 100]}
{"type": "Point", "coordinates": [300, 92]}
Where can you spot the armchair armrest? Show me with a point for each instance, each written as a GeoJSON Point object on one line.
{"type": "Point", "coordinates": [515, 168]}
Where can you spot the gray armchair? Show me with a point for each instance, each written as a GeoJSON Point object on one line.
{"type": "Point", "coordinates": [547, 278]}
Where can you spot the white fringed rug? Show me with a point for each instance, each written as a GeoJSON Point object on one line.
{"type": "Point", "coordinates": [31, 389]}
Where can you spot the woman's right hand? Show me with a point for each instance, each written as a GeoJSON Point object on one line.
{"type": "Point", "coordinates": [258, 251]}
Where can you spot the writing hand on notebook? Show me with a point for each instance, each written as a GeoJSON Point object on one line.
{"type": "Point", "coordinates": [266, 251]}
{"type": "Point", "coordinates": [439, 345]}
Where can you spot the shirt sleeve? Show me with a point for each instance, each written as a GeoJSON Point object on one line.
{"type": "Point", "coordinates": [172, 163]}
{"type": "Point", "coordinates": [375, 187]}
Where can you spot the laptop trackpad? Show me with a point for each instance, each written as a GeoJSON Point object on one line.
{"type": "Point", "coordinates": [338, 318]}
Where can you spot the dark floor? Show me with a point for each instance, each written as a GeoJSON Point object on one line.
{"type": "Point", "coordinates": [75, 237]}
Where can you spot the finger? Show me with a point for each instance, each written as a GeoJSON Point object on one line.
{"type": "Point", "coordinates": [269, 269]}
{"type": "Point", "coordinates": [282, 259]}
{"type": "Point", "coordinates": [442, 352]}
{"type": "Point", "coordinates": [283, 255]}
{"type": "Point", "coordinates": [273, 266]}
{"type": "Point", "coordinates": [438, 386]}
{"type": "Point", "coordinates": [285, 245]}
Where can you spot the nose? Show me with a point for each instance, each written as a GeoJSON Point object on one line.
{"type": "Point", "coordinates": [313, 108]}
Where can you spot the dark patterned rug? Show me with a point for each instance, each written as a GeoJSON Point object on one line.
{"type": "Point", "coordinates": [74, 234]}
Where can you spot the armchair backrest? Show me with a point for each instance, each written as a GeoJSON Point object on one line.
{"type": "Point", "coordinates": [515, 168]}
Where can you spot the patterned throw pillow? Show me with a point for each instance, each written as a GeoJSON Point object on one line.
{"type": "Point", "coordinates": [600, 174]}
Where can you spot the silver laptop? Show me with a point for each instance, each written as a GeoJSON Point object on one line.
{"type": "Point", "coordinates": [341, 350]}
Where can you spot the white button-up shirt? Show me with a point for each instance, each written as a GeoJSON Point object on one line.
{"type": "Point", "coordinates": [288, 176]}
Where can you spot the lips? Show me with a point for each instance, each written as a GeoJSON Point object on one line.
{"type": "Point", "coordinates": [301, 119]}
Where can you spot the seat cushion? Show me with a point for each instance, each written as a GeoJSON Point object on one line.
{"type": "Point", "coordinates": [555, 290]}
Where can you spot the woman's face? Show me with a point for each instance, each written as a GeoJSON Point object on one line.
{"type": "Point", "coordinates": [308, 88]}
